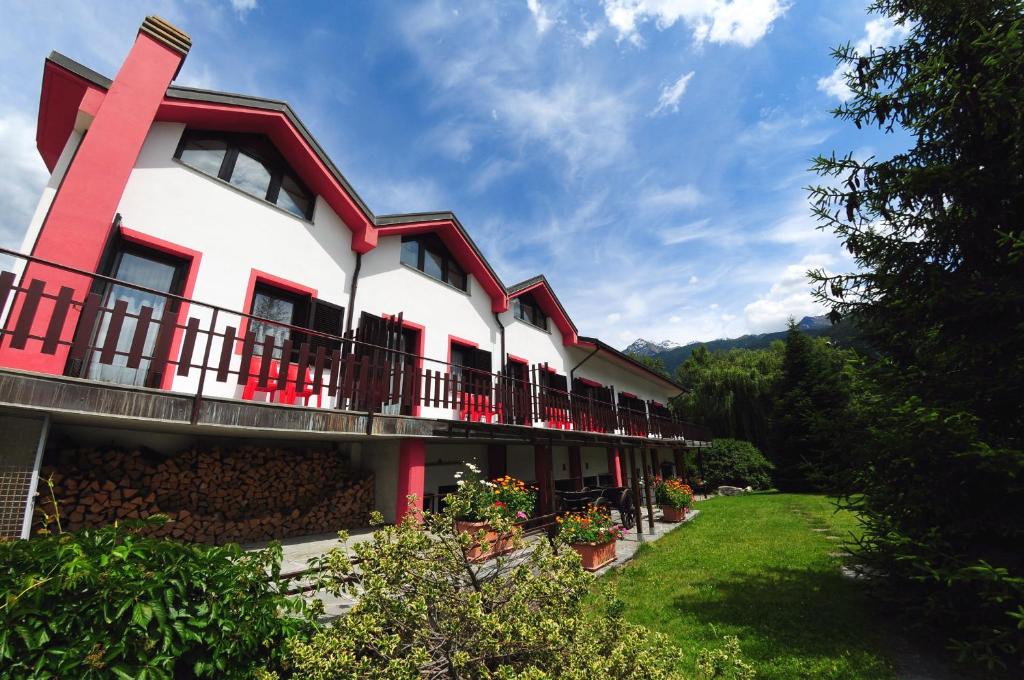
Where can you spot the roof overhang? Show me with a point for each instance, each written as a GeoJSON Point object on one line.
{"type": "Point", "coordinates": [541, 291]}
{"type": "Point", "coordinates": [458, 242]}
{"type": "Point", "coordinates": [626, 361]}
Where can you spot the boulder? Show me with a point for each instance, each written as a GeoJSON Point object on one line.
{"type": "Point", "coordinates": [730, 491]}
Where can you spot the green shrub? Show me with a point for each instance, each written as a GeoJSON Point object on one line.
{"type": "Point", "coordinates": [734, 462]}
{"type": "Point", "coordinates": [426, 610]}
{"type": "Point", "coordinates": [108, 602]}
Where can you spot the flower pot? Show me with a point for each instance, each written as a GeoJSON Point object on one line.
{"type": "Point", "coordinates": [670, 514]}
{"type": "Point", "coordinates": [496, 544]}
{"type": "Point", "coordinates": [595, 555]}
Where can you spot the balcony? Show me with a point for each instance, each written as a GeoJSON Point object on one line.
{"type": "Point", "coordinates": [95, 331]}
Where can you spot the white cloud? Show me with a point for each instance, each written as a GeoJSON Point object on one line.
{"type": "Point", "coordinates": [675, 319]}
{"type": "Point", "coordinates": [742, 22]}
{"type": "Point", "coordinates": [243, 6]}
{"type": "Point", "coordinates": [614, 317]}
{"type": "Point", "coordinates": [789, 296]}
{"type": "Point", "coordinates": [879, 32]}
{"type": "Point", "coordinates": [540, 16]}
{"type": "Point", "coordinates": [671, 94]}
{"type": "Point", "coordinates": [694, 280]}
{"type": "Point", "coordinates": [22, 176]}
{"type": "Point", "coordinates": [588, 37]}
{"type": "Point", "coordinates": [674, 198]}
{"type": "Point", "coordinates": [392, 195]}
{"type": "Point", "coordinates": [694, 231]}
{"type": "Point", "coordinates": [713, 305]}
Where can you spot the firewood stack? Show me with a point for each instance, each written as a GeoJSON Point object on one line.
{"type": "Point", "coordinates": [212, 496]}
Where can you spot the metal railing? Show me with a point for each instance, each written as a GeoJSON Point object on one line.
{"type": "Point", "coordinates": [146, 337]}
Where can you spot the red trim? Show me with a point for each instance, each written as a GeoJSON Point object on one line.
{"type": "Point", "coordinates": [518, 360]}
{"type": "Point", "coordinates": [79, 220]}
{"type": "Point", "coordinates": [629, 395]}
{"type": "Point", "coordinates": [463, 252]}
{"type": "Point", "coordinates": [550, 370]}
{"type": "Point", "coordinates": [589, 382]}
{"type": "Point", "coordinates": [657, 403]}
{"type": "Point", "coordinates": [412, 458]}
{"type": "Point", "coordinates": [193, 257]}
{"type": "Point", "coordinates": [459, 341]}
{"type": "Point", "coordinates": [545, 298]}
{"type": "Point", "coordinates": [257, 276]}
{"type": "Point", "coordinates": [421, 332]}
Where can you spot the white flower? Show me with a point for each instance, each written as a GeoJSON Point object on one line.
{"type": "Point", "coordinates": [461, 482]}
{"type": "Point", "coordinates": [490, 484]}
{"type": "Point", "coordinates": [458, 475]}
{"type": "Point", "coordinates": [473, 468]}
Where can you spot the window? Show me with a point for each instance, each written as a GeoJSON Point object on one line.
{"type": "Point", "coordinates": [525, 308]}
{"type": "Point", "coordinates": [591, 390]}
{"type": "Point", "coordinates": [473, 367]}
{"type": "Point", "coordinates": [249, 162]}
{"type": "Point", "coordinates": [143, 267]}
{"type": "Point", "coordinates": [428, 254]}
{"type": "Point", "coordinates": [631, 402]}
{"type": "Point", "coordinates": [282, 308]}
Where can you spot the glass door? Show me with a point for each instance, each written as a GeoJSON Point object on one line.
{"type": "Point", "coordinates": [153, 270]}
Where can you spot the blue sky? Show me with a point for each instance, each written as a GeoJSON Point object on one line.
{"type": "Point", "coordinates": [648, 156]}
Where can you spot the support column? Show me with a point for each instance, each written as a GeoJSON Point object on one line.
{"type": "Point", "coordinates": [78, 225]}
{"type": "Point", "coordinates": [497, 461]}
{"type": "Point", "coordinates": [576, 467]}
{"type": "Point", "coordinates": [655, 463]}
{"type": "Point", "coordinates": [412, 458]}
{"type": "Point", "coordinates": [542, 472]}
{"type": "Point", "coordinates": [648, 492]}
{"type": "Point", "coordinates": [634, 482]}
{"type": "Point", "coordinates": [614, 466]}
{"type": "Point", "coordinates": [680, 465]}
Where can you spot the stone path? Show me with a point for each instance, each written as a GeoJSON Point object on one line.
{"type": "Point", "coordinates": [298, 552]}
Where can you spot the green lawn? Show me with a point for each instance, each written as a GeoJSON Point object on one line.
{"type": "Point", "coordinates": [753, 566]}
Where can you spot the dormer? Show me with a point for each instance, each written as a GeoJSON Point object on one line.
{"type": "Point", "coordinates": [250, 163]}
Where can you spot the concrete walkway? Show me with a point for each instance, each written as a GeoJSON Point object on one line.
{"type": "Point", "coordinates": [298, 551]}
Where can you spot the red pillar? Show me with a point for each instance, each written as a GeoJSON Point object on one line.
{"type": "Point", "coordinates": [542, 471]}
{"type": "Point", "coordinates": [78, 225]}
{"type": "Point", "coordinates": [412, 457]}
{"type": "Point", "coordinates": [497, 461]}
{"type": "Point", "coordinates": [575, 467]}
{"type": "Point", "coordinates": [614, 467]}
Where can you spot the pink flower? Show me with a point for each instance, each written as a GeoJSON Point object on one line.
{"type": "Point", "coordinates": [521, 515]}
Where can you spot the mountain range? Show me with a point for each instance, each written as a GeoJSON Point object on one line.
{"type": "Point", "coordinates": [673, 354]}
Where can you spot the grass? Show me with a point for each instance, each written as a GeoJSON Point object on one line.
{"type": "Point", "coordinates": [754, 566]}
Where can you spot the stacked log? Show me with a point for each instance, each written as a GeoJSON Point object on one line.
{"type": "Point", "coordinates": [211, 495]}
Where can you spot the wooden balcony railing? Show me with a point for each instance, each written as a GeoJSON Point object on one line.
{"type": "Point", "coordinates": [149, 340]}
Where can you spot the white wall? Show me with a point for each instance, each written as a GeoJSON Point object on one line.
{"type": "Point", "coordinates": [386, 286]}
{"type": "Point", "coordinates": [535, 344]}
{"type": "Point", "coordinates": [235, 233]}
{"type": "Point", "coordinates": [610, 372]}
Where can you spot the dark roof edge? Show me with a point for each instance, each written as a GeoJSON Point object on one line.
{"type": "Point", "coordinates": [608, 348]}
{"type": "Point", "coordinates": [444, 216]}
{"type": "Point", "coordinates": [515, 288]}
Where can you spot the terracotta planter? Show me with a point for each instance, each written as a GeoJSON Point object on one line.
{"type": "Point", "coordinates": [670, 514]}
{"type": "Point", "coordinates": [496, 545]}
{"type": "Point", "coordinates": [595, 555]}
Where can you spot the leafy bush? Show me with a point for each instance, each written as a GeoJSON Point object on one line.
{"type": "Point", "coordinates": [108, 602]}
{"type": "Point", "coordinates": [426, 610]}
{"type": "Point", "coordinates": [734, 462]}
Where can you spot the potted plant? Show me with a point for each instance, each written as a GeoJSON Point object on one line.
{"type": "Point", "coordinates": [592, 534]}
{"type": "Point", "coordinates": [486, 511]}
{"type": "Point", "coordinates": [674, 497]}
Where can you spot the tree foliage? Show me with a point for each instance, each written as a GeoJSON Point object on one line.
{"type": "Point", "coordinates": [939, 291]}
{"type": "Point", "coordinates": [812, 412]}
{"type": "Point", "coordinates": [731, 392]}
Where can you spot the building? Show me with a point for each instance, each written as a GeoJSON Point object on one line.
{"type": "Point", "coordinates": [199, 275]}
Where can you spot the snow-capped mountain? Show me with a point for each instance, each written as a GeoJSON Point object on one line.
{"type": "Point", "coordinates": [646, 348]}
